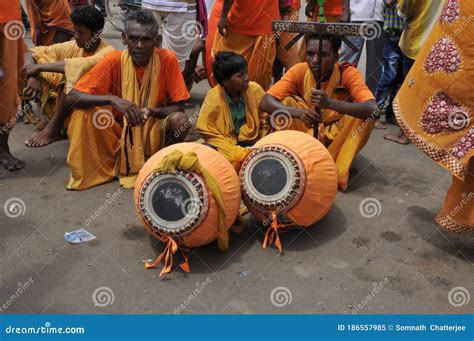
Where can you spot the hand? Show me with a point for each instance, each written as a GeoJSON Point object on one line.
{"type": "Point", "coordinates": [130, 110]}
{"type": "Point", "coordinates": [146, 113]}
{"type": "Point", "coordinates": [222, 25]}
{"type": "Point", "coordinates": [33, 89]}
{"type": "Point", "coordinates": [311, 117]}
{"type": "Point", "coordinates": [320, 99]}
{"type": "Point", "coordinates": [30, 71]}
{"type": "Point", "coordinates": [199, 73]}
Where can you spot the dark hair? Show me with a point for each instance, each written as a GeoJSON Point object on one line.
{"type": "Point", "coordinates": [227, 64]}
{"type": "Point", "coordinates": [88, 16]}
{"type": "Point", "coordinates": [142, 17]}
{"type": "Point", "coordinates": [335, 41]}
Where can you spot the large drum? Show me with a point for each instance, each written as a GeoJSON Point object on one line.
{"type": "Point", "coordinates": [289, 177]}
{"type": "Point", "coordinates": [178, 207]}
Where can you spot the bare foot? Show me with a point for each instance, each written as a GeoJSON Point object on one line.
{"type": "Point", "coordinates": [379, 125]}
{"type": "Point", "coordinates": [9, 162]}
{"type": "Point", "coordinates": [398, 138]}
{"type": "Point", "coordinates": [42, 138]}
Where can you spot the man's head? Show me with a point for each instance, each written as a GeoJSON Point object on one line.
{"type": "Point", "coordinates": [140, 36]}
{"type": "Point", "coordinates": [230, 71]}
{"type": "Point", "coordinates": [88, 24]}
{"type": "Point", "coordinates": [330, 52]}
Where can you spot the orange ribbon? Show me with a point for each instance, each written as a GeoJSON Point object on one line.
{"type": "Point", "coordinates": [272, 233]}
{"type": "Point", "coordinates": [167, 254]}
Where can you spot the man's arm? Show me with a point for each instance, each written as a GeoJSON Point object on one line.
{"type": "Point", "coordinates": [129, 109]}
{"type": "Point", "coordinates": [270, 104]}
{"type": "Point", "coordinates": [225, 11]}
{"type": "Point", "coordinates": [164, 111]}
{"type": "Point", "coordinates": [362, 110]}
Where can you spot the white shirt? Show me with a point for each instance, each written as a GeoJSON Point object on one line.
{"type": "Point", "coordinates": [174, 6]}
{"type": "Point", "coordinates": [367, 10]}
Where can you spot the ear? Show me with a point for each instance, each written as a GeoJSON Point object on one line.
{"type": "Point", "coordinates": [124, 37]}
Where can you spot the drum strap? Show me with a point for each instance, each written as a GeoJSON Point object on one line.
{"type": "Point", "coordinates": [272, 233]}
{"type": "Point", "coordinates": [167, 254]}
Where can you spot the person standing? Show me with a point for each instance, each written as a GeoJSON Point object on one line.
{"type": "Point", "coordinates": [370, 14]}
{"type": "Point", "coordinates": [11, 62]}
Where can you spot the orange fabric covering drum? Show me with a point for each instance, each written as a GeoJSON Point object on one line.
{"type": "Point", "coordinates": [187, 195]}
{"type": "Point", "coordinates": [290, 177]}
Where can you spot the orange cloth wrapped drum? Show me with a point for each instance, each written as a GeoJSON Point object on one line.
{"type": "Point", "coordinates": [290, 177]}
{"type": "Point", "coordinates": [187, 195]}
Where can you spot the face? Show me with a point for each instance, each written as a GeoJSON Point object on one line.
{"type": "Point", "coordinates": [238, 81]}
{"type": "Point", "coordinates": [140, 41]}
{"type": "Point", "coordinates": [84, 37]}
{"type": "Point", "coordinates": [330, 57]}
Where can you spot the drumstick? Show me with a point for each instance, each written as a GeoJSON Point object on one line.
{"type": "Point", "coordinates": [319, 80]}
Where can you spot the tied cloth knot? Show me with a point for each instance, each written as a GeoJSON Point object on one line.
{"type": "Point", "coordinates": [189, 162]}
{"type": "Point", "coordinates": [272, 233]}
{"type": "Point", "coordinates": [167, 254]}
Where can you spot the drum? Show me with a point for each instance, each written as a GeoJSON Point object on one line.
{"type": "Point", "coordinates": [289, 177]}
{"type": "Point", "coordinates": [177, 206]}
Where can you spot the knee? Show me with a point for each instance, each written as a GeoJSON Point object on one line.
{"type": "Point", "coordinates": [179, 121]}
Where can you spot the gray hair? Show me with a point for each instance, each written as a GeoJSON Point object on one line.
{"type": "Point", "coordinates": [141, 17]}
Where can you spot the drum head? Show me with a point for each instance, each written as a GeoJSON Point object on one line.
{"type": "Point", "coordinates": [174, 204]}
{"type": "Point", "coordinates": [272, 177]}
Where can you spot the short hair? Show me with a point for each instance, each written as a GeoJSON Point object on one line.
{"type": "Point", "coordinates": [88, 16]}
{"type": "Point", "coordinates": [142, 17]}
{"type": "Point", "coordinates": [335, 41]}
{"type": "Point", "coordinates": [227, 64]}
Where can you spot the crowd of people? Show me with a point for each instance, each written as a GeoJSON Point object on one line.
{"type": "Point", "coordinates": [71, 80]}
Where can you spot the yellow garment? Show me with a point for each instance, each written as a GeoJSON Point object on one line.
{"type": "Point", "coordinates": [189, 162]}
{"type": "Point", "coordinates": [76, 65]}
{"type": "Point", "coordinates": [420, 17]}
{"type": "Point", "coordinates": [258, 51]}
{"type": "Point", "coordinates": [434, 108]}
{"type": "Point", "coordinates": [216, 126]}
{"type": "Point", "coordinates": [343, 135]}
{"type": "Point", "coordinates": [97, 155]}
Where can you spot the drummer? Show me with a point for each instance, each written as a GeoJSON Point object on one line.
{"type": "Point", "coordinates": [230, 119]}
{"type": "Point", "coordinates": [343, 111]}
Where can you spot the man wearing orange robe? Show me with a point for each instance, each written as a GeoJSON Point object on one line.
{"type": "Point", "coordinates": [11, 62]}
{"type": "Point", "coordinates": [50, 21]}
{"type": "Point", "coordinates": [132, 107]}
{"type": "Point", "coordinates": [343, 110]}
{"type": "Point", "coordinates": [245, 28]}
